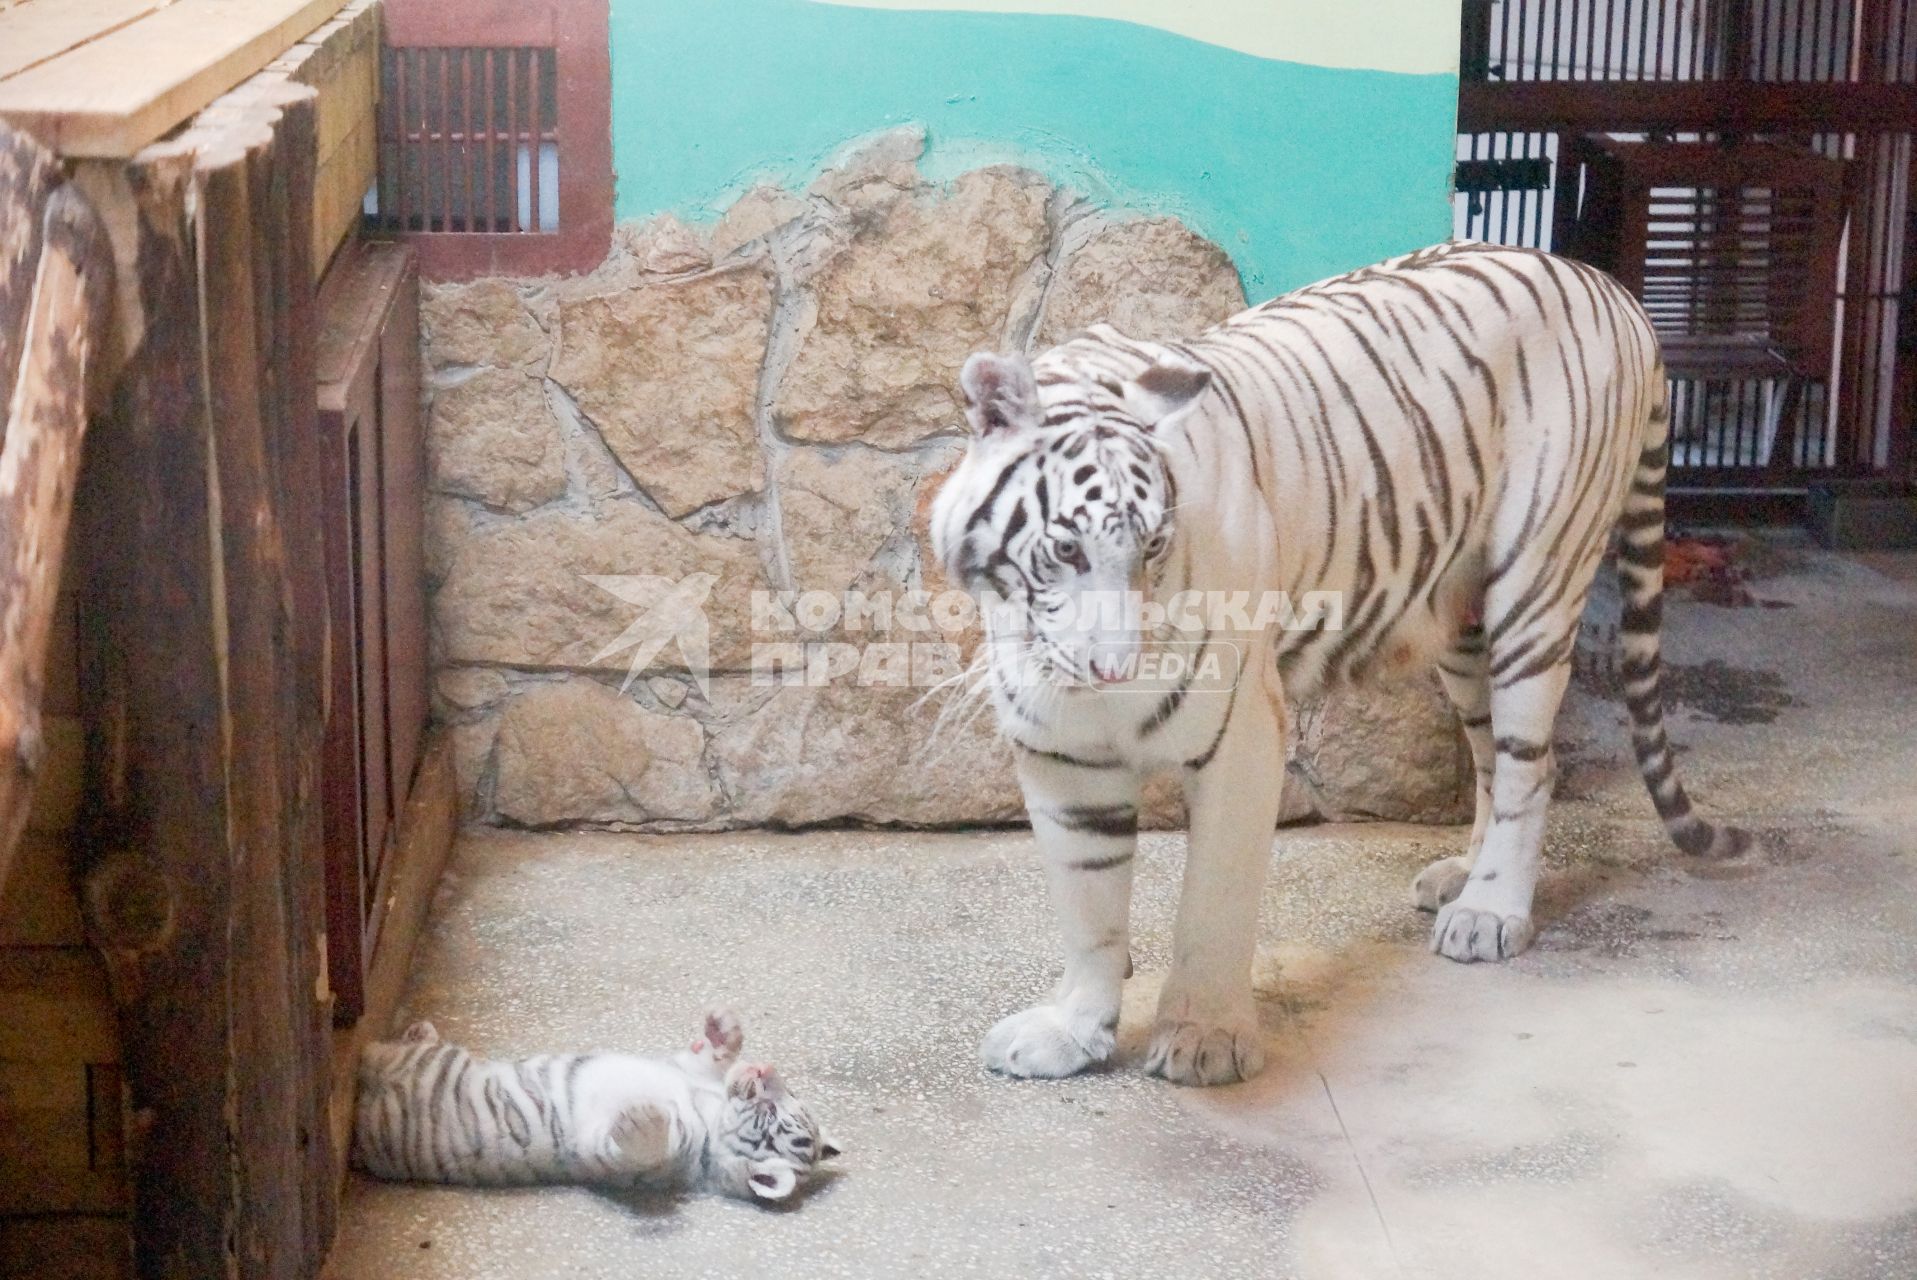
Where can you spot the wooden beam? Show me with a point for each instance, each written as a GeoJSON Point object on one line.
{"type": "Point", "coordinates": [1553, 106]}
{"type": "Point", "coordinates": [57, 1007]}
{"type": "Point", "coordinates": [110, 96]}
{"type": "Point", "coordinates": [201, 671]}
{"type": "Point", "coordinates": [68, 1247]}
{"type": "Point", "coordinates": [63, 320]}
{"type": "Point", "coordinates": [28, 174]}
{"type": "Point", "coordinates": [37, 31]}
{"type": "Point", "coordinates": [154, 858]}
{"type": "Point", "coordinates": [38, 907]}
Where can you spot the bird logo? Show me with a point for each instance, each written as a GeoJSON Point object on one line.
{"type": "Point", "coordinates": [674, 614]}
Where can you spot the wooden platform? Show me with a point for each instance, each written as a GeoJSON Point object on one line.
{"type": "Point", "coordinates": [103, 78]}
{"type": "Point", "coordinates": [63, 1180]}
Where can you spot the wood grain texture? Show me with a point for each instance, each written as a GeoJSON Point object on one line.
{"type": "Point", "coordinates": [340, 60]}
{"type": "Point", "coordinates": [64, 318]}
{"type": "Point", "coordinates": [58, 1007]}
{"type": "Point", "coordinates": [70, 1247]}
{"type": "Point", "coordinates": [201, 674]}
{"type": "Point", "coordinates": [38, 906]}
{"type": "Point", "coordinates": [60, 781]}
{"type": "Point", "coordinates": [44, 1118]}
{"type": "Point", "coordinates": [37, 31]}
{"type": "Point", "coordinates": [28, 173]}
{"type": "Point", "coordinates": [156, 855]}
{"type": "Point", "coordinates": [111, 96]}
{"type": "Point", "coordinates": [425, 842]}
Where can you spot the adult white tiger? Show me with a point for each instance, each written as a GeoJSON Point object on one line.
{"type": "Point", "coordinates": [1447, 439]}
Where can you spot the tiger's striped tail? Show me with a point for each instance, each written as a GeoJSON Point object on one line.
{"type": "Point", "coordinates": [1640, 565]}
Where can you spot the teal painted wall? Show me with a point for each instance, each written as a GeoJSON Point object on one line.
{"type": "Point", "coordinates": [1298, 171]}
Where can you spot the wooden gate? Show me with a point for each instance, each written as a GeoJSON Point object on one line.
{"type": "Point", "coordinates": [1696, 143]}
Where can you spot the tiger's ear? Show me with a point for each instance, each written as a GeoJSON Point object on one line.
{"type": "Point", "coordinates": [421, 1032]}
{"type": "Point", "coordinates": [1165, 391]}
{"type": "Point", "coordinates": [1000, 393]}
{"type": "Point", "coordinates": [772, 1179]}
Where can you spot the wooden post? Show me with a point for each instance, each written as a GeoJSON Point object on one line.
{"type": "Point", "coordinates": [54, 327]}
{"type": "Point", "coordinates": [201, 671]}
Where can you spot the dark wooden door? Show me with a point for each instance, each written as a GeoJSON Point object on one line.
{"type": "Point", "coordinates": [376, 676]}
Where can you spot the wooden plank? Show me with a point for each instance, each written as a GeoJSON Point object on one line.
{"type": "Point", "coordinates": [341, 61]}
{"type": "Point", "coordinates": [156, 855]}
{"type": "Point", "coordinates": [106, 1116]}
{"type": "Point", "coordinates": [55, 1007]}
{"type": "Point", "coordinates": [38, 907]}
{"type": "Point", "coordinates": [66, 1191]}
{"type": "Point", "coordinates": [418, 861]}
{"type": "Point", "coordinates": [61, 696]}
{"type": "Point", "coordinates": [353, 302]}
{"type": "Point", "coordinates": [403, 554]}
{"type": "Point", "coordinates": [39, 30]}
{"type": "Point", "coordinates": [43, 1114]}
{"type": "Point", "coordinates": [65, 318]}
{"type": "Point", "coordinates": [60, 787]}
{"type": "Point", "coordinates": [66, 1247]}
{"type": "Point", "coordinates": [28, 174]}
{"type": "Point", "coordinates": [1581, 106]}
{"type": "Point", "coordinates": [43, 1120]}
{"type": "Point", "coordinates": [203, 878]}
{"type": "Point", "coordinates": [339, 192]}
{"type": "Point", "coordinates": [356, 309]}
{"type": "Point", "coordinates": [114, 95]}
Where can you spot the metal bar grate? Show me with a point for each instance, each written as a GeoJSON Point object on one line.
{"type": "Point", "coordinates": [1713, 264]}
{"type": "Point", "coordinates": [469, 142]}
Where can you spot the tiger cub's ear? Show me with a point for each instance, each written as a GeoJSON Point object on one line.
{"type": "Point", "coordinates": [771, 1179]}
{"type": "Point", "coordinates": [1162, 393]}
{"type": "Point", "coordinates": [1000, 393]}
{"type": "Point", "coordinates": [421, 1032]}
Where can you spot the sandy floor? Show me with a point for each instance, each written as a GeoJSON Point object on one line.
{"type": "Point", "coordinates": [1698, 1071]}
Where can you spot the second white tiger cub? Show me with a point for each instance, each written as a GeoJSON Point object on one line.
{"type": "Point", "coordinates": [430, 1111]}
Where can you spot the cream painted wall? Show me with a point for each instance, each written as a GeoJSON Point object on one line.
{"type": "Point", "coordinates": [1415, 36]}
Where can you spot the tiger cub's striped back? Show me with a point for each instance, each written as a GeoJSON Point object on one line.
{"type": "Point", "coordinates": [431, 1111]}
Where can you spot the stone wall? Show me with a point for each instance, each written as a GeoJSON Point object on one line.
{"type": "Point", "coordinates": [770, 402]}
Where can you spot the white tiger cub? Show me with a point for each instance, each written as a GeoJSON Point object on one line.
{"type": "Point", "coordinates": [1447, 443]}
{"type": "Point", "coordinates": [430, 1111]}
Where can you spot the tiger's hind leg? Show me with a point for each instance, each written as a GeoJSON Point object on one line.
{"type": "Point", "coordinates": [1529, 665]}
{"type": "Point", "coordinates": [637, 1142]}
{"type": "Point", "coordinates": [1465, 671]}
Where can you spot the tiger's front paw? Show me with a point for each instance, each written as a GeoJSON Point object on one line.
{"type": "Point", "coordinates": [1205, 1054]}
{"type": "Point", "coordinates": [724, 1037]}
{"type": "Point", "coordinates": [1047, 1042]}
{"type": "Point", "coordinates": [1466, 934]}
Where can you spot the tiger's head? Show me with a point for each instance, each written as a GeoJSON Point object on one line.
{"type": "Point", "coordinates": [1063, 505]}
{"type": "Point", "coordinates": [766, 1144]}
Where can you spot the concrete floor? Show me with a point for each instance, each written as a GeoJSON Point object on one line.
{"type": "Point", "coordinates": [1699, 1071]}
